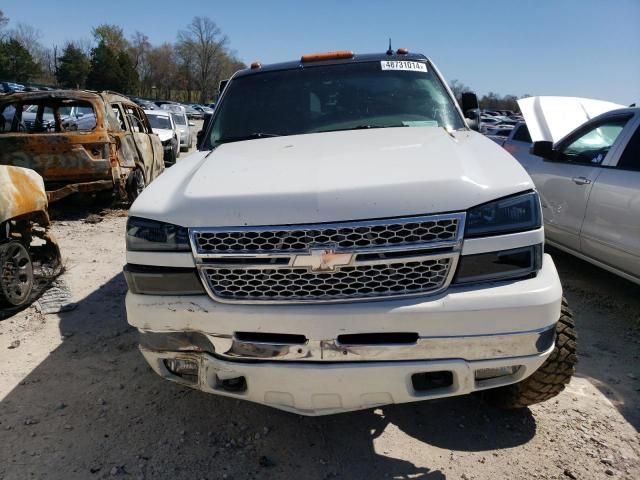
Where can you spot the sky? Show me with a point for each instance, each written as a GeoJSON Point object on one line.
{"type": "Point", "coordinates": [587, 48]}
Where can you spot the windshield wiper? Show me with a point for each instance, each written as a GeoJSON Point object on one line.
{"type": "Point", "coordinates": [250, 136]}
{"type": "Point", "coordinates": [362, 127]}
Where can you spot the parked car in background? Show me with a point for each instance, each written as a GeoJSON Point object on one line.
{"type": "Point", "coordinates": [498, 133]}
{"type": "Point", "coordinates": [183, 124]}
{"type": "Point", "coordinates": [144, 103]}
{"type": "Point", "coordinates": [203, 109]}
{"type": "Point", "coordinates": [588, 180]}
{"type": "Point", "coordinates": [518, 142]}
{"type": "Point", "coordinates": [163, 125]}
{"type": "Point", "coordinates": [10, 87]}
{"type": "Point", "coordinates": [27, 248]}
{"type": "Point", "coordinates": [80, 141]}
{"type": "Point", "coordinates": [193, 113]}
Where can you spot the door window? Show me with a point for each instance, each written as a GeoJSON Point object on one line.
{"type": "Point", "coordinates": [119, 116]}
{"type": "Point", "coordinates": [136, 119]}
{"type": "Point", "coordinates": [591, 146]}
{"type": "Point", "coordinates": [630, 159]}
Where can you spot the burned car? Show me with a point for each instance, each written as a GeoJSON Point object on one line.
{"type": "Point", "coordinates": [29, 255]}
{"type": "Point", "coordinates": [80, 141]}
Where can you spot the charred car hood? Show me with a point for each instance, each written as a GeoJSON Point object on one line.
{"type": "Point", "coordinates": [551, 118]}
{"type": "Point", "coordinates": [334, 176]}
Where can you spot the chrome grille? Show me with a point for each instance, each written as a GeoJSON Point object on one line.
{"type": "Point", "coordinates": [329, 262]}
{"type": "Point", "coordinates": [300, 284]}
{"type": "Point", "coordinates": [343, 236]}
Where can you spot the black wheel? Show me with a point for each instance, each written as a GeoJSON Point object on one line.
{"type": "Point", "coordinates": [16, 274]}
{"type": "Point", "coordinates": [551, 378]}
{"type": "Point", "coordinates": [135, 184]}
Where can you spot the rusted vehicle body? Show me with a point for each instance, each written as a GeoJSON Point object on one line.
{"type": "Point", "coordinates": [80, 141]}
{"type": "Point", "coordinates": [28, 252]}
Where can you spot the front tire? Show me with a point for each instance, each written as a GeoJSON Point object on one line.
{"type": "Point", "coordinates": [551, 378]}
{"type": "Point", "coordinates": [16, 274]}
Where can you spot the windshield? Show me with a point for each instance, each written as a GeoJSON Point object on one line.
{"type": "Point", "coordinates": [159, 122]}
{"type": "Point", "coordinates": [179, 119]}
{"type": "Point", "coordinates": [333, 97]}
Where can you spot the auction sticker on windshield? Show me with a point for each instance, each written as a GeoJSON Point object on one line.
{"type": "Point", "coordinates": [403, 65]}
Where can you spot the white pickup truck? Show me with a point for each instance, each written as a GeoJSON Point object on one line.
{"type": "Point", "coordinates": [341, 241]}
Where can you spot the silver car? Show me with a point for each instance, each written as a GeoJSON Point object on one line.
{"type": "Point", "coordinates": [589, 184]}
{"type": "Point", "coordinates": [184, 127]}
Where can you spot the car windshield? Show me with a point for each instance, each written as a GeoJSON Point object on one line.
{"type": "Point", "coordinates": [333, 97]}
{"type": "Point", "coordinates": [179, 119]}
{"type": "Point", "coordinates": [159, 121]}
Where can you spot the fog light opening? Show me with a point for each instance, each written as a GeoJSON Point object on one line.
{"type": "Point", "coordinates": [431, 380]}
{"type": "Point", "coordinates": [185, 369]}
{"type": "Point", "coordinates": [234, 385]}
{"type": "Point", "coordinates": [496, 372]}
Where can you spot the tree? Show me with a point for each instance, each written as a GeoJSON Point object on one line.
{"type": "Point", "coordinates": [112, 36]}
{"type": "Point", "coordinates": [458, 88]}
{"type": "Point", "coordinates": [73, 67]}
{"type": "Point", "coordinates": [3, 20]}
{"type": "Point", "coordinates": [104, 69]}
{"type": "Point", "coordinates": [16, 63]}
{"type": "Point", "coordinates": [207, 43]}
{"type": "Point", "coordinates": [128, 74]}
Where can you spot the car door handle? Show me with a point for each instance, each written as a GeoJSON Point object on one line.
{"type": "Point", "coordinates": [581, 180]}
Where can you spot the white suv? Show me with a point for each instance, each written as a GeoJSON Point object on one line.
{"type": "Point", "coordinates": [341, 241]}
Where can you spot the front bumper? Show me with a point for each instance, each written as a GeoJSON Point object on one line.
{"type": "Point", "coordinates": [466, 328]}
{"type": "Point", "coordinates": [312, 389]}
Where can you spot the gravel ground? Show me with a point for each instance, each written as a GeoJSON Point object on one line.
{"type": "Point", "coordinates": [77, 400]}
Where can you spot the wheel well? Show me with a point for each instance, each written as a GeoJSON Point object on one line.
{"type": "Point", "coordinates": [21, 226]}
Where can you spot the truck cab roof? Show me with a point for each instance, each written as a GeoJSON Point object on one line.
{"type": "Point", "coordinates": [355, 58]}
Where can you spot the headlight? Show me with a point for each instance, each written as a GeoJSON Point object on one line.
{"type": "Point", "coordinates": [151, 235]}
{"type": "Point", "coordinates": [502, 265]}
{"type": "Point", "coordinates": [507, 215]}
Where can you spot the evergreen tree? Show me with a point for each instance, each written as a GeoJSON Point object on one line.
{"type": "Point", "coordinates": [73, 67]}
{"type": "Point", "coordinates": [16, 63]}
{"type": "Point", "coordinates": [128, 75]}
{"type": "Point", "coordinates": [104, 69]}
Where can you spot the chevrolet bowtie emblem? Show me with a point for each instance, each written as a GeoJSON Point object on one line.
{"type": "Point", "coordinates": [322, 260]}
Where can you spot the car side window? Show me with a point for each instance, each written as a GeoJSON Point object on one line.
{"type": "Point", "coordinates": [591, 145]}
{"type": "Point", "coordinates": [117, 111]}
{"type": "Point", "coordinates": [630, 158]}
{"type": "Point", "coordinates": [137, 123]}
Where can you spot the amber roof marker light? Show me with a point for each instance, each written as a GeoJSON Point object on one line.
{"type": "Point", "coordinates": [318, 57]}
{"type": "Point", "coordinates": [256, 65]}
{"type": "Point", "coordinates": [402, 51]}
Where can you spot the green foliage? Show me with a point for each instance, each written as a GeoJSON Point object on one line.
{"type": "Point", "coordinates": [16, 63]}
{"type": "Point", "coordinates": [112, 36]}
{"type": "Point", "coordinates": [104, 70]}
{"type": "Point", "coordinates": [73, 67]}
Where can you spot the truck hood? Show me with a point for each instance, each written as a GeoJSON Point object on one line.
{"type": "Point", "coordinates": [551, 118]}
{"type": "Point", "coordinates": [333, 176]}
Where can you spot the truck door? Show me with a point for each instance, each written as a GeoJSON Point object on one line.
{"type": "Point", "coordinates": [611, 230]}
{"type": "Point", "coordinates": [565, 184]}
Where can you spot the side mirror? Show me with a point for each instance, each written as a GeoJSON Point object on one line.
{"type": "Point", "coordinates": [469, 101]}
{"type": "Point", "coordinates": [543, 149]}
{"type": "Point", "coordinates": [471, 110]}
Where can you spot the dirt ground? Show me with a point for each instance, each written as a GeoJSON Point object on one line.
{"type": "Point", "coordinates": [77, 400]}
